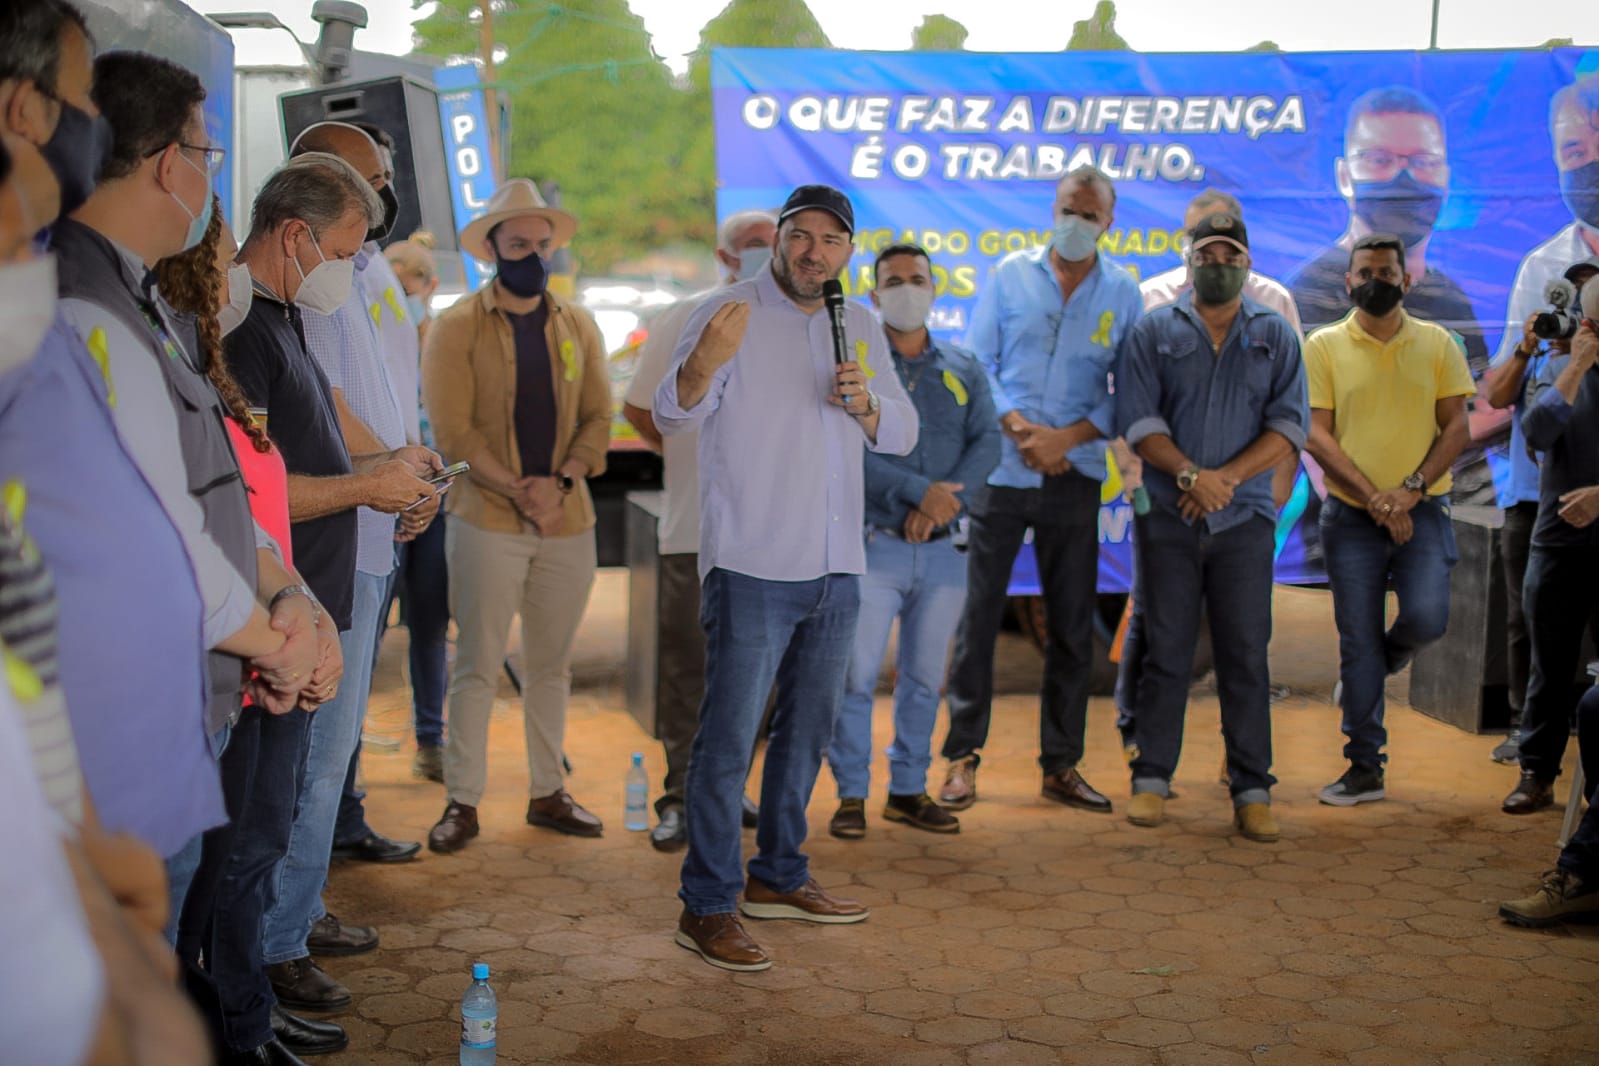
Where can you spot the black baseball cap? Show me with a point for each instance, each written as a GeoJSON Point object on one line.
{"type": "Point", "coordinates": [1220, 227]}
{"type": "Point", "coordinates": [822, 198]}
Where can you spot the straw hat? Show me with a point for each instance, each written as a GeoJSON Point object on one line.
{"type": "Point", "coordinates": [517, 198]}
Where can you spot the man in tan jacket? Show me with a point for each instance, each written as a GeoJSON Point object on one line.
{"type": "Point", "coordinates": [515, 381]}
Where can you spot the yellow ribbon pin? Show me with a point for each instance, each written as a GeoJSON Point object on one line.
{"type": "Point", "coordinates": [14, 498]}
{"type": "Point", "coordinates": [956, 389]}
{"type": "Point", "coordinates": [100, 349]}
{"type": "Point", "coordinates": [394, 304]}
{"type": "Point", "coordinates": [860, 357]}
{"type": "Point", "coordinates": [568, 361]}
{"type": "Point", "coordinates": [1102, 336]}
{"type": "Point", "coordinates": [376, 311]}
{"type": "Point", "coordinates": [23, 679]}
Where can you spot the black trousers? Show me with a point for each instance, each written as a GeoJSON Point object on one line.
{"type": "Point", "coordinates": [1064, 517]}
{"type": "Point", "coordinates": [1515, 542]}
{"type": "Point", "coordinates": [681, 683]}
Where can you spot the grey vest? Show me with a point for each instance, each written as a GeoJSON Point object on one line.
{"type": "Point", "coordinates": [90, 268]}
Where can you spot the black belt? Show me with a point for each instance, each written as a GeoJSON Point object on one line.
{"type": "Point", "coordinates": [938, 534]}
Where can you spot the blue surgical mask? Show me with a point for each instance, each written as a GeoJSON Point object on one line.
{"type": "Point", "coordinates": [1075, 238]}
{"type": "Point", "coordinates": [416, 308]}
{"type": "Point", "coordinates": [197, 223]}
{"type": "Point", "coordinates": [751, 261]}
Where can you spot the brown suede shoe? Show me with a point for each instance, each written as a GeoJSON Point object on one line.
{"type": "Point", "coordinates": [720, 940]}
{"type": "Point", "coordinates": [808, 903]}
{"type": "Point", "coordinates": [960, 784]}
{"type": "Point", "coordinates": [1068, 787]}
{"type": "Point", "coordinates": [559, 811]}
{"type": "Point", "coordinates": [1531, 794]}
{"type": "Point", "coordinates": [454, 829]}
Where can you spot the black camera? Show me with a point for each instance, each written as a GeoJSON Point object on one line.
{"type": "Point", "coordinates": [1562, 318]}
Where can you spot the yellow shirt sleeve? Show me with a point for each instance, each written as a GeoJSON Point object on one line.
{"type": "Point", "coordinates": [1454, 376]}
{"type": "Point", "coordinates": [1318, 373]}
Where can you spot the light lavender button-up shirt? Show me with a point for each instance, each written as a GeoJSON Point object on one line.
{"type": "Point", "coordinates": [782, 470]}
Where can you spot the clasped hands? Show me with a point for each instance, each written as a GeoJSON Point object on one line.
{"type": "Point", "coordinates": [1043, 448]}
{"type": "Point", "coordinates": [939, 507]}
{"type": "Point", "coordinates": [305, 670]}
{"type": "Point", "coordinates": [1212, 490]}
{"type": "Point", "coordinates": [1391, 509]}
{"type": "Point", "coordinates": [539, 501]}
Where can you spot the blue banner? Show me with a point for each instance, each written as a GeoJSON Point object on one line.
{"type": "Point", "coordinates": [466, 150]}
{"type": "Point", "coordinates": [961, 152]}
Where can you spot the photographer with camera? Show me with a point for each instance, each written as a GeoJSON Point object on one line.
{"type": "Point", "coordinates": [1561, 420]}
{"type": "Point", "coordinates": [1544, 341]}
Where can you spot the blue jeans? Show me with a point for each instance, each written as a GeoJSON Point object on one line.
{"type": "Point", "coordinates": [924, 586]}
{"type": "Point", "coordinates": [335, 728]}
{"type": "Point", "coordinates": [1182, 570]}
{"type": "Point", "coordinates": [798, 633]}
{"type": "Point", "coordinates": [263, 766]}
{"type": "Point", "coordinates": [1361, 560]}
{"type": "Point", "coordinates": [1581, 853]}
{"type": "Point", "coordinates": [350, 825]}
{"type": "Point", "coordinates": [181, 867]}
{"type": "Point", "coordinates": [422, 585]}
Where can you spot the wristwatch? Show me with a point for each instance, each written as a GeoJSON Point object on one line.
{"type": "Point", "coordinates": [1186, 479]}
{"type": "Point", "coordinates": [296, 590]}
{"type": "Point", "coordinates": [566, 483]}
{"type": "Point", "coordinates": [872, 404]}
{"type": "Point", "coordinates": [1414, 483]}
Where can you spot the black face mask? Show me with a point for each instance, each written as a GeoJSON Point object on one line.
{"type": "Point", "coordinates": [1401, 205]}
{"type": "Point", "coordinates": [1580, 189]}
{"type": "Point", "coordinates": [75, 153]}
{"type": "Point", "coordinates": [1376, 297]}
{"type": "Point", "coordinates": [1219, 283]}
{"type": "Point", "coordinates": [391, 211]}
{"type": "Point", "coordinates": [525, 277]}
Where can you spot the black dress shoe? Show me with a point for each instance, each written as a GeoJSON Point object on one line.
{"type": "Point", "coordinates": [332, 939]}
{"type": "Point", "coordinates": [671, 833]}
{"type": "Point", "coordinates": [1068, 787]}
{"type": "Point", "coordinates": [302, 985]}
{"type": "Point", "coordinates": [375, 847]}
{"type": "Point", "coordinates": [272, 1053]}
{"type": "Point", "coordinates": [752, 813]}
{"type": "Point", "coordinates": [303, 1036]}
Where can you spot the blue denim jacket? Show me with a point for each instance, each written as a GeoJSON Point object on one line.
{"type": "Point", "coordinates": [1213, 406]}
{"type": "Point", "coordinates": [1051, 360]}
{"type": "Point", "coordinates": [959, 441]}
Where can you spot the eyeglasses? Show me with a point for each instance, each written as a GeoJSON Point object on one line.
{"type": "Point", "coordinates": [1416, 162]}
{"type": "Point", "coordinates": [214, 156]}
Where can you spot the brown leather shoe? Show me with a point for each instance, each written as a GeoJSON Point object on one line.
{"type": "Point", "coordinates": [720, 940]}
{"type": "Point", "coordinates": [300, 984]}
{"type": "Point", "coordinates": [1532, 794]}
{"type": "Point", "coordinates": [454, 829]}
{"type": "Point", "coordinates": [559, 811]}
{"type": "Point", "coordinates": [808, 903]}
{"type": "Point", "coordinates": [960, 784]}
{"type": "Point", "coordinates": [1068, 787]}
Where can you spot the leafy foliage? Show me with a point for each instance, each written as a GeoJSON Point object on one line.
{"type": "Point", "coordinates": [939, 33]}
{"type": "Point", "coordinates": [1097, 33]}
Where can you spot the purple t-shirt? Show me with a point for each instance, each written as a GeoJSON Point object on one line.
{"type": "Point", "coordinates": [132, 658]}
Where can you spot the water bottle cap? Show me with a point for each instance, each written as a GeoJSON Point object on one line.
{"type": "Point", "coordinates": [638, 758]}
{"type": "Point", "coordinates": [480, 971]}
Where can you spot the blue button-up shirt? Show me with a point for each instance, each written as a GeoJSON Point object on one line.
{"type": "Point", "coordinates": [1051, 360]}
{"type": "Point", "coordinates": [781, 473]}
{"type": "Point", "coordinates": [959, 439]}
{"type": "Point", "coordinates": [131, 654]}
{"type": "Point", "coordinates": [1522, 484]}
{"type": "Point", "coordinates": [1213, 406]}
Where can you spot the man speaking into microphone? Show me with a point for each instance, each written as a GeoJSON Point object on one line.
{"type": "Point", "coordinates": [785, 404]}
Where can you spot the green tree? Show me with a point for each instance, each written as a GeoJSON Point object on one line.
{"type": "Point", "coordinates": [1097, 33]}
{"type": "Point", "coordinates": [1264, 46]}
{"type": "Point", "coordinates": [592, 107]}
{"type": "Point", "coordinates": [939, 33]}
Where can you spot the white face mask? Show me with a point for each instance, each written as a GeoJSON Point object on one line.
{"type": "Point", "coordinates": [27, 309]}
{"type": "Point", "coordinates": [905, 307]}
{"type": "Point", "coordinates": [327, 287]}
{"type": "Point", "coordinates": [240, 293]}
{"type": "Point", "coordinates": [751, 261]}
{"type": "Point", "coordinates": [1075, 238]}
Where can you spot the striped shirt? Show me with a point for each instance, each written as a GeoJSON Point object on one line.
{"type": "Point", "coordinates": [28, 615]}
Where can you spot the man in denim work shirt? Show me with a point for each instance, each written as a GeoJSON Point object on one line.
{"type": "Point", "coordinates": [1211, 393]}
{"type": "Point", "coordinates": [1047, 326]}
{"type": "Point", "coordinates": [913, 570]}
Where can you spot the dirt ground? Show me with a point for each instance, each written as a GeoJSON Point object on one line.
{"type": "Point", "coordinates": [1037, 935]}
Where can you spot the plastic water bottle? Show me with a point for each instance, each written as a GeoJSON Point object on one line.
{"type": "Point", "coordinates": [637, 817]}
{"type": "Point", "coordinates": [479, 1012]}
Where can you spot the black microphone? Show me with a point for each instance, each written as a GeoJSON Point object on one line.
{"type": "Point", "coordinates": [833, 297]}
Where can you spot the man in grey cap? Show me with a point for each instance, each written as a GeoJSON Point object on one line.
{"type": "Point", "coordinates": [783, 428]}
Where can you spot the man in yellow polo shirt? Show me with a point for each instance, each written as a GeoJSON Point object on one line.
{"type": "Point", "coordinates": [1388, 416]}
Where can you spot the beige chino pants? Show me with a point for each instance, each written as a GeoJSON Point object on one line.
{"type": "Point", "coordinates": [493, 578]}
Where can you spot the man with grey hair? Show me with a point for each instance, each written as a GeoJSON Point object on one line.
{"type": "Point", "coordinates": [743, 247]}
{"type": "Point", "coordinates": [309, 220]}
